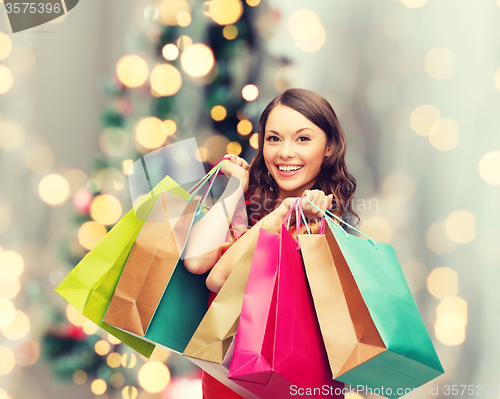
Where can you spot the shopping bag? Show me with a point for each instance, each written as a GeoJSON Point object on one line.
{"type": "Point", "coordinates": [371, 326]}
{"type": "Point", "coordinates": [90, 285]}
{"type": "Point", "coordinates": [279, 350]}
{"type": "Point", "coordinates": [212, 344]}
{"type": "Point", "coordinates": [156, 297]}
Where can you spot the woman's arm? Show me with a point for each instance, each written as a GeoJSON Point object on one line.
{"type": "Point", "coordinates": [219, 275]}
{"type": "Point", "coordinates": [209, 233]}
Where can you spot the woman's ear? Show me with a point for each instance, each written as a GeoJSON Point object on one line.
{"type": "Point", "coordinates": [329, 150]}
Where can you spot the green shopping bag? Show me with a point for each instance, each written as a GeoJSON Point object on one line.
{"type": "Point", "coordinates": [90, 285]}
{"type": "Point", "coordinates": [375, 291]}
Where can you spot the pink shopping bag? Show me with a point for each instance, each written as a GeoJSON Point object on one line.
{"type": "Point", "coordinates": [279, 351]}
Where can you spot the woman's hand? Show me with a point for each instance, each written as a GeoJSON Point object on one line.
{"type": "Point", "coordinates": [317, 197]}
{"type": "Point", "coordinates": [238, 167]}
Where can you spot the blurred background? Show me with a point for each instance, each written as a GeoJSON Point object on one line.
{"type": "Point", "coordinates": [414, 83]}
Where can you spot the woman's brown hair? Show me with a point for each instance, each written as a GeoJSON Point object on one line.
{"type": "Point", "coordinates": [333, 178]}
{"type": "Point", "coordinates": [262, 193]}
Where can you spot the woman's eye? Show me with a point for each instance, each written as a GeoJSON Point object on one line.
{"type": "Point", "coordinates": [270, 138]}
{"type": "Point", "coordinates": [305, 138]}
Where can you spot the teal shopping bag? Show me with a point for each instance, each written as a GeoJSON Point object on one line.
{"type": "Point", "coordinates": [405, 357]}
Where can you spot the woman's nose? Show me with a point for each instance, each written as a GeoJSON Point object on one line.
{"type": "Point", "coordinates": [287, 151]}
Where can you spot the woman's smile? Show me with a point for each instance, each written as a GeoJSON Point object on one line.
{"type": "Point", "coordinates": [288, 170]}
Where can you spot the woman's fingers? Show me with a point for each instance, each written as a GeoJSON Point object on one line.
{"type": "Point", "coordinates": [238, 161]}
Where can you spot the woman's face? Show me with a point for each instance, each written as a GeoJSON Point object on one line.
{"type": "Point", "coordinates": [294, 150]}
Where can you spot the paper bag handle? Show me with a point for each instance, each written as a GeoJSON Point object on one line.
{"type": "Point", "coordinates": [327, 213]}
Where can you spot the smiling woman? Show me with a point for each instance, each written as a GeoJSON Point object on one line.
{"type": "Point", "coordinates": [301, 146]}
{"type": "Point", "coordinates": [294, 158]}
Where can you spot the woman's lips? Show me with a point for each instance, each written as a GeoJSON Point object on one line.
{"type": "Point", "coordinates": [288, 174]}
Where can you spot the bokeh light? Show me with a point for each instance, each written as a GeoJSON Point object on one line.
{"type": "Point", "coordinates": [440, 63]}
{"type": "Point", "coordinates": [170, 11]}
{"type": "Point", "coordinates": [183, 18]}
{"type": "Point", "coordinates": [54, 189]}
{"type": "Point", "coordinates": [166, 80]}
{"type": "Point", "coordinates": [218, 113]}
{"type": "Point", "coordinates": [12, 134]}
{"type": "Point", "coordinates": [5, 46]}
{"type": "Point", "coordinates": [413, 3]}
{"type": "Point", "coordinates": [253, 3]}
{"type": "Point", "coordinates": [113, 340]}
{"type": "Point", "coordinates": [132, 70]}
{"type": "Point", "coordinates": [11, 261]}
{"type": "Point", "coordinates": [129, 360]}
{"type": "Point", "coordinates": [7, 312]}
{"type": "Point", "coordinates": [21, 59]}
{"type": "Point", "coordinates": [234, 148]}
{"type": "Point", "coordinates": [90, 233]}
{"type": "Point", "coordinates": [169, 127]}
{"type": "Point", "coordinates": [18, 328]}
{"type": "Point", "coordinates": [254, 140]}
{"type": "Point", "coordinates": [40, 159]}
{"type": "Point", "coordinates": [74, 316]}
{"type": "Point", "coordinates": [9, 285]}
{"type": "Point", "coordinates": [170, 52]}
{"type": "Point", "coordinates": [225, 12]}
{"type": "Point", "coordinates": [79, 377]}
{"type": "Point", "coordinates": [129, 392]}
{"type": "Point", "coordinates": [102, 347]}
{"type": "Point", "coordinates": [306, 28]}
{"type": "Point", "coordinates": [452, 313]}
{"type": "Point", "coordinates": [184, 41]}
{"type": "Point", "coordinates": [422, 118]}
{"type": "Point", "coordinates": [443, 134]}
{"type": "Point", "coordinates": [114, 360]}
{"type": "Point", "coordinates": [89, 327]}
{"type": "Point", "coordinates": [244, 127]}
{"type": "Point", "coordinates": [117, 380]}
{"type": "Point", "coordinates": [127, 165]}
{"type": "Point", "coordinates": [6, 79]}
{"type": "Point", "coordinates": [461, 227]}
{"type": "Point", "coordinates": [230, 32]}
{"type": "Point", "coordinates": [113, 141]}
{"type": "Point", "coordinates": [496, 78]}
{"type": "Point", "coordinates": [489, 168]}
{"type": "Point", "coordinates": [98, 386]}
{"type": "Point", "coordinates": [449, 336]}
{"type": "Point", "coordinates": [250, 92]}
{"type": "Point", "coordinates": [149, 133]}
{"type": "Point", "coordinates": [8, 360]}
{"type": "Point", "coordinates": [197, 60]}
{"type": "Point", "coordinates": [201, 154]}
{"type": "Point", "coordinates": [154, 376]}
{"type": "Point", "coordinates": [437, 240]}
{"type": "Point", "coordinates": [105, 209]}
{"type": "Point", "coordinates": [443, 282]}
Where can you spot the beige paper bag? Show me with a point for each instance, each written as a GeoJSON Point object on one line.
{"type": "Point", "coordinates": [348, 331]}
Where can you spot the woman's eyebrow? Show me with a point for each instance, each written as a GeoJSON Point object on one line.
{"type": "Point", "coordinates": [298, 131]}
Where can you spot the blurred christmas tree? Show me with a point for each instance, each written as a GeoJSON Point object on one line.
{"type": "Point", "coordinates": [196, 73]}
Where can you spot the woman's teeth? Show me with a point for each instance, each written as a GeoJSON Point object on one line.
{"type": "Point", "coordinates": [289, 168]}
